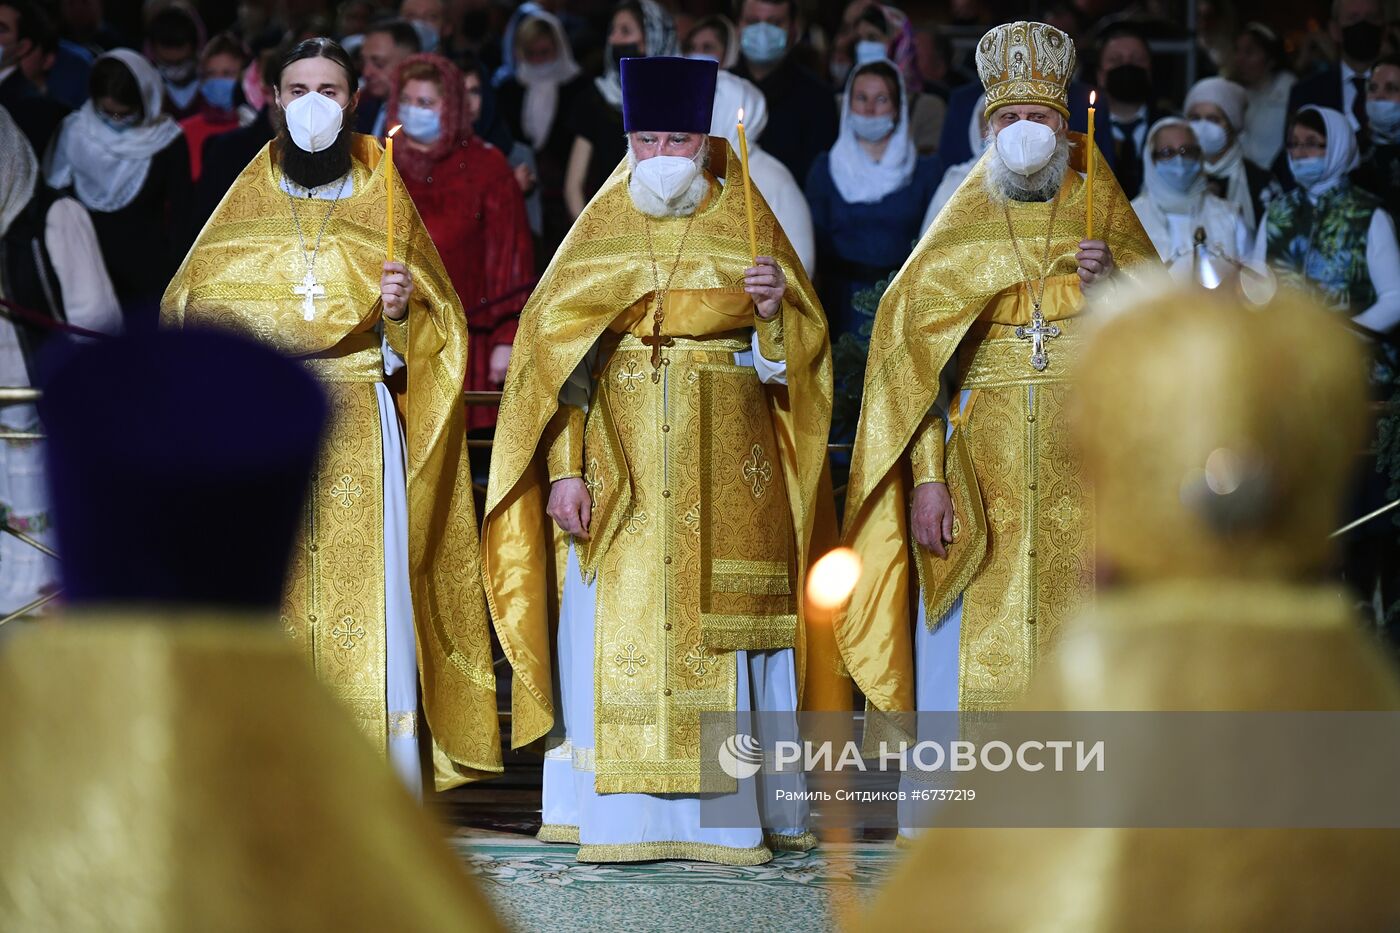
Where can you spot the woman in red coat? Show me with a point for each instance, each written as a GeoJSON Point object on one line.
{"type": "Point", "coordinates": [472, 206]}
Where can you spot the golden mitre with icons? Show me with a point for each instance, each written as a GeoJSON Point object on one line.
{"type": "Point", "coordinates": [1026, 63]}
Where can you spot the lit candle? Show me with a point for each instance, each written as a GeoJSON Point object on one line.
{"type": "Point", "coordinates": [748, 186]}
{"type": "Point", "coordinates": [389, 187]}
{"type": "Point", "coordinates": [1089, 175]}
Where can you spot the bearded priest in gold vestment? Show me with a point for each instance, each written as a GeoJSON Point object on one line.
{"type": "Point", "coordinates": [1216, 496]}
{"type": "Point", "coordinates": [667, 408]}
{"type": "Point", "coordinates": [970, 513]}
{"type": "Point", "coordinates": [384, 596]}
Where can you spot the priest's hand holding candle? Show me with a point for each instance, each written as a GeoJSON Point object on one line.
{"type": "Point", "coordinates": [764, 280]}
{"type": "Point", "coordinates": [396, 284]}
{"type": "Point", "coordinates": [1094, 257]}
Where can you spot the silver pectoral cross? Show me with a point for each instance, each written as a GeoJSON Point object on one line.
{"type": "Point", "coordinates": [1037, 334]}
{"type": "Point", "coordinates": [309, 290]}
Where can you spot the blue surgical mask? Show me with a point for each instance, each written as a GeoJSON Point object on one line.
{"type": "Point", "coordinates": [1308, 172]}
{"type": "Point", "coordinates": [871, 129]}
{"type": "Point", "coordinates": [218, 92]}
{"type": "Point", "coordinates": [422, 124]}
{"type": "Point", "coordinates": [1385, 120]}
{"type": "Point", "coordinates": [869, 51]}
{"type": "Point", "coordinates": [763, 43]}
{"type": "Point", "coordinates": [1179, 172]}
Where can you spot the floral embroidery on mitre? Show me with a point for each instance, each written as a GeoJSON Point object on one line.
{"type": "Point", "coordinates": [1026, 63]}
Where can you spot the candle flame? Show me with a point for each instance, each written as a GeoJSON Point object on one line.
{"type": "Point", "coordinates": [397, 127]}
{"type": "Point", "coordinates": [833, 578]}
{"type": "Point", "coordinates": [741, 114]}
{"type": "Point", "coordinates": [1093, 96]}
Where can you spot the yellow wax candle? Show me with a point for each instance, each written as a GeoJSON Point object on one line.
{"type": "Point", "coordinates": [1089, 175]}
{"type": "Point", "coordinates": [748, 186]}
{"type": "Point", "coordinates": [389, 189]}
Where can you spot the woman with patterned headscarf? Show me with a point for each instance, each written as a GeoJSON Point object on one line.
{"type": "Point", "coordinates": [640, 29]}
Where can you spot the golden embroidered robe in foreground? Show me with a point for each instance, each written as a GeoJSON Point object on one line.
{"type": "Point", "coordinates": [1204, 644]}
{"type": "Point", "coordinates": [710, 490]}
{"type": "Point", "coordinates": [183, 770]}
{"type": "Point", "coordinates": [1022, 549]}
{"type": "Point", "coordinates": [240, 274]}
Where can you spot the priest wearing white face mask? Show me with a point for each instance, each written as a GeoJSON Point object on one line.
{"type": "Point", "coordinates": [383, 592]}
{"type": "Point", "coordinates": [1216, 108]}
{"type": "Point", "coordinates": [989, 305]}
{"type": "Point", "coordinates": [868, 193]}
{"type": "Point", "coordinates": [1176, 208]}
{"type": "Point", "coordinates": [667, 410]}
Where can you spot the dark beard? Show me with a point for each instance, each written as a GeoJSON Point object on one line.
{"type": "Point", "coordinates": [314, 169]}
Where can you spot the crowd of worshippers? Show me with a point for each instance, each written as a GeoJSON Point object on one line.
{"type": "Point", "coordinates": [1286, 156]}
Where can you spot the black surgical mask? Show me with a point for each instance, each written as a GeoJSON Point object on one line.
{"type": "Point", "coordinates": [1130, 84]}
{"type": "Point", "coordinates": [626, 50]}
{"type": "Point", "coordinates": [1362, 41]}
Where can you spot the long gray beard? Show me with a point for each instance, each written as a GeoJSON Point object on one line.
{"type": "Point", "coordinates": [1005, 185]}
{"type": "Point", "coordinates": [685, 203]}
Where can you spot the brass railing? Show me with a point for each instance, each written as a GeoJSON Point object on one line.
{"type": "Point", "coordinates": [17, 395]}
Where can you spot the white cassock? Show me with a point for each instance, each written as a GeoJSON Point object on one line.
{"type": "Point", "coordinates": [767, 682]}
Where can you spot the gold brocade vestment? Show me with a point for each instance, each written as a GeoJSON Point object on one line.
{"type": "Point", "coordinates": [1022, 548]}
{"type": "Point", "coordinates": [199, 778]}
{"type": "Point", "coordinates": [709, 489]}
{"type": "Point", "coordinates": [240, 274]}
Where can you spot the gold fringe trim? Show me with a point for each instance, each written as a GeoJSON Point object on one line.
{"type": "Point", "coordinates": [783, 842]}
{"type": "Point", "coordinates": [747, 633]}
{"type": "Point", "coordinates": [670, 851]}
{"type": "Point", "coordinates": [558, 832]}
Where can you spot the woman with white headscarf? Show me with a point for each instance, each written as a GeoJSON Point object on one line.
{"type": "Point", "coordinates": [640, 28]}
{"type": "Point", "coordinates": [1216, 108]}
{"type": "Point", "coordinates": [770, 177]}
{"type": "Point", "coordinates": [128, 164]}
{"type": "Point", "coordinates": [868, 193]}
{"type": "Point", "coordinates": [1329, 234]}
{"type": "Point", "coordinates": [1176, 208]}
{"type": "Point", "coordinates": [52, 266]}
{"type": "Point", "coordinates": [535, 98]}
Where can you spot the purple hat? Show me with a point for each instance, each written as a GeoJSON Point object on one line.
{"type": "Point", "coordinates": [178, 463]}
{"type": "Point", "coordinates": [667, 95]}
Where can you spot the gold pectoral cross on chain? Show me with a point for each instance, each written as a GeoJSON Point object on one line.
{"type": "Point", "coordinates": [656, 341]}
{"type": "Point", "coordinates": [1037, 334]}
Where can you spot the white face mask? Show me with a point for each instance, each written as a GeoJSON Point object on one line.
{"type": "Point", "coordinates": [667, 177]}
{"type": "Point", "coordinates": [1026, 147]}
{"type": "Point", "coordinates": [1211, 136]}
{"type": "Point", "coordinates": [313, 120]}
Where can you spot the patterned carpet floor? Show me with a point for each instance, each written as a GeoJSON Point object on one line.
{"type": "Point", "coordinates": [539, 886]}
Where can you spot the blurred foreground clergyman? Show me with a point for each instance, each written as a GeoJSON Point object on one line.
{"type": "Point", "coordinates": [170, 762]}
{"type": "Point", "coordinates": [1215, 498]}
